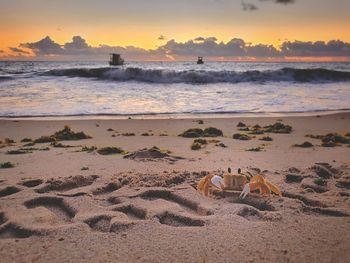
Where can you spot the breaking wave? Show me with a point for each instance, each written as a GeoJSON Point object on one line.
{"type": "Point", "coordinates": [204, 77]}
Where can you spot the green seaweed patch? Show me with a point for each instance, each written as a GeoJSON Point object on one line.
{"type": "Point", "coordinates": [14, 152]}
{"type": "Point", "coordinates": [266, 139]}
{"type": "Point", "coordinates": [163, 134]}
{"type": "Point", "coordinates": [256, 132]}
{"type": "Point", "coordinates": [255, 149]}
{"type": "Point", "coordinates": [84, 168]}
{"type": "Point", "coordinates": [30, 144]}
{"type": "Point", "coordinates": [156, 148]}
{"type": "Point", "coordinates": [31, 149]}
{"type": "Point", "coordinates": [128, 134]}
{"type": "Point", "coordinates": [196, 146]}
{"type": "Point", "coordinates": [320, 181]}
{"type": "Point", "coordinates": [45, 139]}
{"type": "Point", "coordinates": [278, 127]}
{"type": "Point", "coordinates": [241, 136]}
{"type": "Point", "coordinates": [192, 133]}
{"type": "Point", "coordinates": [66, 134]}
{"type": "Point", "coordinates": [241, 124]}
{"type": "Point", "coordinates": [88, 149]}
{"type": "Point", "coordinates": [197, 132]}
{"type": "Point", "coordinates": [9, 141]}
{"type": "Point", "coordinates": [147, 134]}
{"type": "Point", "coordinates": [201, 141]}
{"type": "Point", "coordinates": [26, 140]}
{"type": "Point", "coordinates": [110, 150]}
{"type": "Point", "coordinates": [221, 145]}
{"type": "Point", "coordinates": [330, 139]}
{"type": "Point", "coordinates": [200, 121]}
{"type": "Point", "coordinates": [110, 130]}
{"type": "Point", "coordinates": [6, 165]}
{"type": "Point", "coordinates": [212, 132]}
{"type": "Point", "coordinates": [305, 144]}
{"type": "Point", "coordinates": [60, 145]}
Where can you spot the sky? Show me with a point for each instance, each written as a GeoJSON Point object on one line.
{"type": "Point", "coordinates": [175, 30]}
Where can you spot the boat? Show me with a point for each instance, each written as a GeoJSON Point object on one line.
{"type": "Point", "coordinates": [116, 60]}
{"type": "Point", "coordinates": [200, 60]}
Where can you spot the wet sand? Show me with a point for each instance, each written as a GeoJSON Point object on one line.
{"type": "Point", "coordinates": [68, 205]}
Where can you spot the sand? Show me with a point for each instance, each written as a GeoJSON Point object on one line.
{"type": "Point", "coordinates": [68, 205]}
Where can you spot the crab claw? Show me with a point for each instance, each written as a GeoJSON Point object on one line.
{"type": "Point", "coordinates": [245, 191]}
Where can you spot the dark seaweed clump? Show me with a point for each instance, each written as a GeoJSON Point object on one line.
{"type": "Point", "coordinates": [110, 150]}
{"type": "Point", "coordinates": [304, 145]}
{"type": "Point", "coordinates": [266, 139]}
{"type": "Point", "coordinates": [278, 127]}
{"type": "Point", "coordinates": [6, 165]}
{"type": "Point", "coordinates": [26, 140]}
{"type": "Point", "coordinates": [66, 134]}
{"type": "Point", "coordinates": [196, 146]}
{"type": "Point", "coordinates": [197, 132]}
{"type": "Point", "coordinates": [330, 139]}
{"type": "Point", "coordinates": [240, 136]}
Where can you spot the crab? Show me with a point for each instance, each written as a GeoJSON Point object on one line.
{"type": "Point", "coordinates": [228, 182]}
{"type": "Point", "coordinates": [237, 182]}
{"type": "Point", "coordinates": [258, 182]}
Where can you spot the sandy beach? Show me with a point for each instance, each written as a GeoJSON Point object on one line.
{"type": "Point", "coordinates": [70, 202]}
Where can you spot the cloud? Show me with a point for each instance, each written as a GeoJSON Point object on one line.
{"type": "Point", "coordinates": [333, 48]}
{"type": "Point", "coordinates": [45, 46]}
{"type": "Point", "coordinates": [209, 47]}
{"type": "Point", "coordinates": [248, 7]}
{"type": "Point", "coordinates": [18, 50]}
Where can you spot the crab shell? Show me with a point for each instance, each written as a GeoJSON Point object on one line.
{"type": "Point", "coordinates": [234, 181]}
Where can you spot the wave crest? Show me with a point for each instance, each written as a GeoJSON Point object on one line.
{"type": "Point", "coordinates": [204, 77]}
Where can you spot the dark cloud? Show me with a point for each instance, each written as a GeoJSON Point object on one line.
{"type": "Point", "coordinates": [333, 48]}
{"type": "Point", "coordinates": [18, 50]}
{"type": "Point", "coordinates": [209, 47]}
{"type": "Point", "coordinates": [248, 7]}
{"type": "Point", "coordinates": [45, 46]}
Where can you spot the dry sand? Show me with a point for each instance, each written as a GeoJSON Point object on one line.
{"type": "Point", "coordinates": [146, 208]}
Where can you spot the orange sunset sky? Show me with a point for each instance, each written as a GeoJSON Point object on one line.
{"type": "Point", "coordinates": [151, 25]}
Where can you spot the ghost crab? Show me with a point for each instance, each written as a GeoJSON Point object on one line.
{"type": "Point", "coordinates": [237, 182]}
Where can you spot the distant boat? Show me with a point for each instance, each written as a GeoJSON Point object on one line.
{"type": "Point", "coordinates": [116, 60]}
{"type": "Point", "coordinates": [200, 60]}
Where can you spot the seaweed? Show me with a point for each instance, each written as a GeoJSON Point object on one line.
{"type": "Point", "coordinates": [241, 124]}
{"type": "Point", "coordinates": [278, 127]}
{"type": "Point", "coordinates": [6, 165]}
{"type": "Point", "coordinates": [88, 149]}
{"type": "Point", "coordinates": [266, 138]}
{"type": "Point", "coordinates": [128, 134]}
{"type": "Point", "coordinates": [66, 134]}
{"type": "Point", "coordinates": [320, 181]}
{"type": "Point", "coordinates": [110, 150]}
{"type": "Point", "coordinates": [45, 139]}
{"type": "Point", "coordinates": [305, 144]}
{"type": "Point", "coordinates": [192, 133]}
{"type": "Point", "coordinates": [212, 132]}
{"type": "Point", "coordinates": [240, 136]}
{"type": "Point", "coordinates": [13, 152]}
{"type": "Point", "coordinates": [26, 140]}
{"type": "Point", "coordinates": [196, 146]}
{"type": "Point", "coordinates": [201, 141]}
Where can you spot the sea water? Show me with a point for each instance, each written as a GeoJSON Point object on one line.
{"type": "Point", "coordinates": [94, 88]}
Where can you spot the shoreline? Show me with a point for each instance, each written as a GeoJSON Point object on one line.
{"type": "Point", "coordinates": [156, 116]}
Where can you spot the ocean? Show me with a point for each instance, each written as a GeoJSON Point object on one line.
{"type": "Point", "coordinates": [171, 88]}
